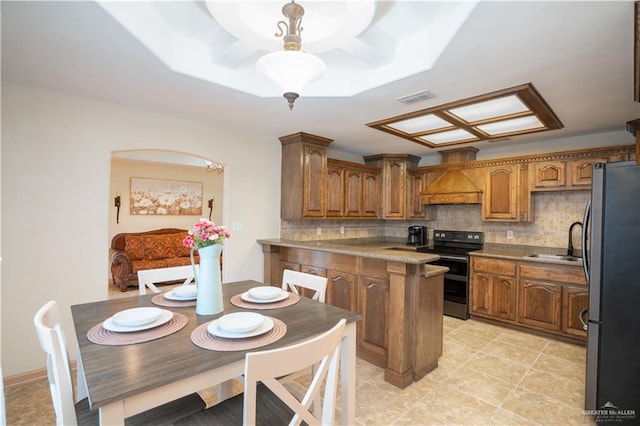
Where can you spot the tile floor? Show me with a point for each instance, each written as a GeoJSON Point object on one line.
{"type": "Point", "coordinates": [488, 375]}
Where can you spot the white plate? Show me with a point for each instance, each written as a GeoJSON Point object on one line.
{"type": "Point", "coordinates": [137, 316]}
{"type": "Point", "coordinates": [265, 292]}
{"type": "Point", "coordinates": [240, 322]}
{"type": "Point", "coordinates": [247, 298]}
{"type": "Point", "coordinates": [186, 292]}
{"type": "Point", "coordinates": [171, 296]}
{"type": "Point", "coordinates": [111, 325]}
{"type": "Point", "coordinates": [215, 330]}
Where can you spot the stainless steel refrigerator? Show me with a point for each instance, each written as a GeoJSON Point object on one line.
{"type": "Point", "coordinates": [611, 257]}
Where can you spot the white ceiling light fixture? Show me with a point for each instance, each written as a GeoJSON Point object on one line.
{"type": "Point", "coordinates": [291, 69]}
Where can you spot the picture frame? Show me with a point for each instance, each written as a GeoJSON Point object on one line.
{"type": "Point", "coordinates": [157, 197]}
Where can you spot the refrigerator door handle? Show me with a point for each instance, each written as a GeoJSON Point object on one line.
{"type": "Point", "coordinates": [585, 227]}
{"type": "Point", "coordinates": [581, 316]}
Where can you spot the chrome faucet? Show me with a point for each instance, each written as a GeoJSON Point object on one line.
{"type": "Point", "coordinates": [570, 244]}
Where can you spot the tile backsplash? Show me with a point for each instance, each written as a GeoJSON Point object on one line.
{"type": "Point", "coordinates": [553, 213]}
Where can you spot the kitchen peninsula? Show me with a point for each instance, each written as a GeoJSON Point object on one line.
{"type": "Point", "coordinates": [399, 295]}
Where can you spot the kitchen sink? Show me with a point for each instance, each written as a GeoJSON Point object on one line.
{"type": "Point", "coordinates": [556, 257]}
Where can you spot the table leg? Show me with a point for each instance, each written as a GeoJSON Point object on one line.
{"type": "Point", "coordinates": [81, 387]}
{"type": "Point", "coordinates": [348, 374]}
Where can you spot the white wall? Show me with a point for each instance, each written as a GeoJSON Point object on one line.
{"type": "Point", "coordinates": [56, 204]}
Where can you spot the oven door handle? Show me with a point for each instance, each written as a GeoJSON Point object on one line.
{"type": "Point", "coordinates": [450, 257]}
{"type": "Point", "coordinates": [455, 277]}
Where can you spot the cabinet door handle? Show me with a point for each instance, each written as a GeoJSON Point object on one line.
{"type": "Point", "coordinates": [581, 318]}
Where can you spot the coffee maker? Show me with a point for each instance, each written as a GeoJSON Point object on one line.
{"type": "Point", "coordinates": [418, 236]}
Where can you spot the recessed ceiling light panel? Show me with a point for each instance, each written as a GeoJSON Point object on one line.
{"type": "Point", "coordinates": [500, 107]}
{"type": "Point", "coordinates": [458, 135]}
{"type": "Point", "coordinates": [421, 124]}
{"type": "Point", "coordinates": [512, 126]}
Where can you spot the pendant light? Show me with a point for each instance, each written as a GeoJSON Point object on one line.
{"type": "Point", "coordinates": [291, 69]}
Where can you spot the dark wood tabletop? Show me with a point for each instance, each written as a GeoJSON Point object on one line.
{"type": "Point", "coordinates": [117, 372]}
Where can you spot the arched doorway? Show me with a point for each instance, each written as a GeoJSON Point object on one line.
{"type": "Point", "coordinates": [174, 172]}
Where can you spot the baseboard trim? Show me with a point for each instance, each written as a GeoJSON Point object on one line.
{"type": "Point", "coordinates": [32, 376]}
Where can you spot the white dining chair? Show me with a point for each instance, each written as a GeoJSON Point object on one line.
{"type": "Point", "coordinates": [3, 413]}
{"type": "Point", "coordinates": [69, 412]}
{"type": "Point", "coordinates": [270, 403]}
{"type": "Point", "coordinates": [293, 279]}
{"type": "Point", "coordinates": [149, 277]}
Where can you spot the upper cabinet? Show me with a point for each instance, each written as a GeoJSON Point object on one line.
{"type": "Point", "coordinates": [580, 171]}
{"type": "Point", "coordinates": [303, 176]}
{"type": "Point", "coordinates": [501, 193]}
{"type": "Point", "coordinates": [563, 175]}
{"type": "Point", "coordinates": [394, 182]}
{"type": "Point", "coordinates": [352, 190]}
{"type": "Point", "coordinates": [392, 186]}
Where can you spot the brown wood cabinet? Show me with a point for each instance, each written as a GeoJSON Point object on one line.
{"type": "Point", "coordinates": [580, 171]}
{"type": "Point", "coordinates": [549, 174]}
{"type": "Point", "coordinates": [501, 193]}
{"type": "Point", "coordinates": [394, 182]}
{"type": "Point", "coordinates": [303, 176]}
{"type": "Point", "coordinates": [416, 183]}
{"type": "Point", "coordinates": [373, 304]}
{"type": "Point", "coordinates": [493, 289]}
{"type": "Point", "coordinates": [401, 305]}
{"type": "Point", "coordinates": [575, 300]}
{"type": "Point", "coordinates": [542, 296]}
{"type": "Point", "coordinates": [539, 304]}
{"type": "Point", "coordinates": [564, 175]}
{"type": "Point", "coordinates": [353, 193]}
{"type": "Point", "coordinates": [341, 290]}
{"type": "Point", "coordinates": [352, 190]}
{"type": "Point", "coordinates": [371, 193]}
{"type": "Point", "coordinates": [335, 191]}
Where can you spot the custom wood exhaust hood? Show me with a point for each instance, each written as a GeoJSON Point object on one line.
{"type": "Point", "coordinates": [453, 187]}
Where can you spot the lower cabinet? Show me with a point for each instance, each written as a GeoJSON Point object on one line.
{"type": "Point", "coordinates": [539, 304]}
{"type": "Point", "coordinates": [574, 302]}
{"type": "Point", "coordinates": [341, 290]}
{"type": "Point", "coordinates": [373, 304]}
{"type": "Point", "coordinates": [542, 296]}
{"type": "Point", "coordinates": [493, 289]}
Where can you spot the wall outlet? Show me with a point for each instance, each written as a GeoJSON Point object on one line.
{"type": "Point", "coordinates": [236, 225]}
{"type": "Point", "coordinates": [342, 230]}
{"type": "Point", "coordinates": [318, 231]}
{"type": "Point", "coordinates": [509, 235]}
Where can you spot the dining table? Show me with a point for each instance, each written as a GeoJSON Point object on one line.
{"type": "Point", "coordinates": [125, 379]}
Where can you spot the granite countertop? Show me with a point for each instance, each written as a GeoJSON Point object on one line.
{"type": "Point", "coordinates": [521, 252]}
{"type": "Point", "coordinates": [377, 248]}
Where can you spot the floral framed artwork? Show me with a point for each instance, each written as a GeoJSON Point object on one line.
{"type": "Point", "coordinates": [165, 197]}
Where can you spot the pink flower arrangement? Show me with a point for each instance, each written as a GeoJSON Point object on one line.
{"type": "Point", "coordinates": [205, 233]}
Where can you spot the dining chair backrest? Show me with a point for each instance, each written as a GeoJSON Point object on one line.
{"type": "Point", "coordinates": [292, 279]}
{"type": "Point", "coordinates": [267, 366]}
{"type": "Point", "coordinates": [149, 277]}
{"type": "Point", "coordinates": [51, 336]}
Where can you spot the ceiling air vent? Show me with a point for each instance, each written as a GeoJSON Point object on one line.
{"type": "Point", "coordinates": [413, 98]}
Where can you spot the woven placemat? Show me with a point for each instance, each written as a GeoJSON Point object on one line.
{"type": "Point", "coordinates": [202, 338]}
{"type": "Point", "coordinates": [291, 300]}
{"type": "Point", "coordinates": [160, 300]}
{"type": "Point", "coordinates": [101, 336]}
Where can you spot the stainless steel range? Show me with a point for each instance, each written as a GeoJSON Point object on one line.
{"type": "Point", "coordinates": [453, 247]}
